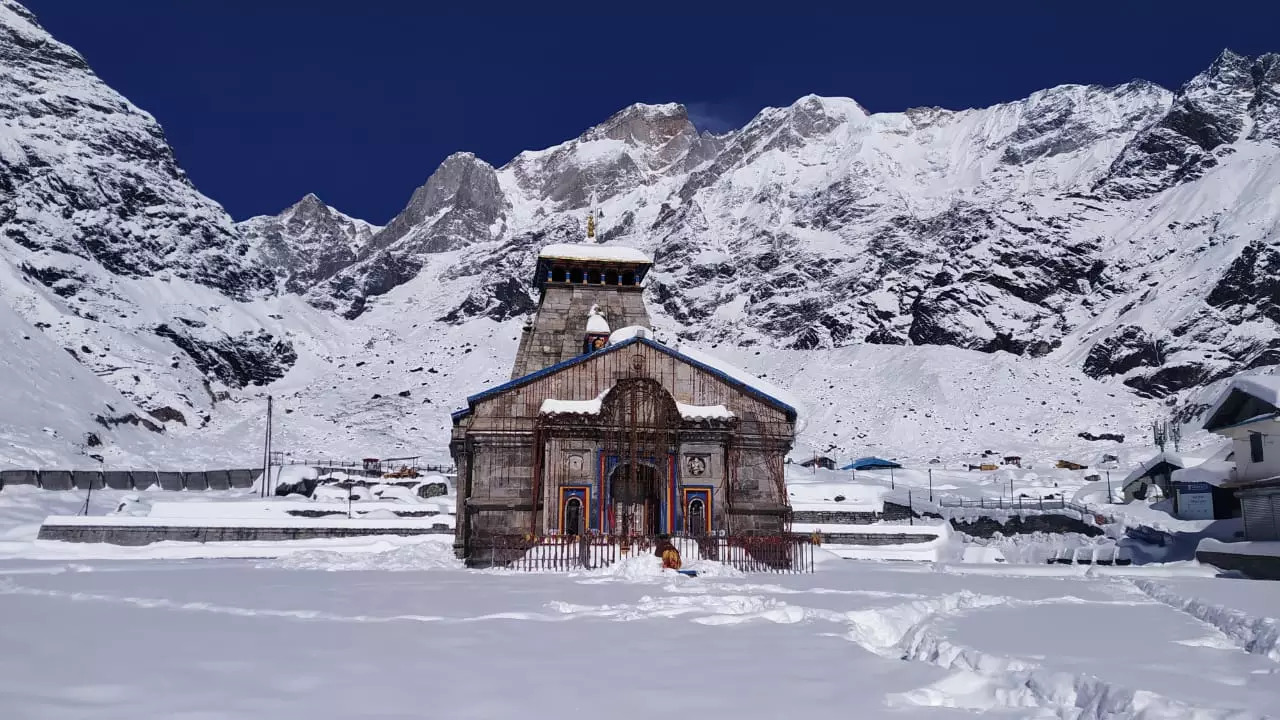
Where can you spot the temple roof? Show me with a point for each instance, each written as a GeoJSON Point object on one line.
{"type": "Point", "coordinates": [595, 253]}
{"type": "Point", "coordinates": [737, 380]}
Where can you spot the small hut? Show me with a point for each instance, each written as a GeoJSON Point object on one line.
{"type": "Point", "coordinates": [1155, 473]}
{"type": "Point", "coordinates": [871, 463]}
{"type": "Point", "coordinates": [819, 461]}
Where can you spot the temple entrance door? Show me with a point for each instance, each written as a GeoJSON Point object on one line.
{"type": "Point", "coordinates": [643, 425]}
{"type": "Point", "coordinates": [573, 516]}
{"type": "Point", "coordinates": [637, 509]}
{"type": "Point", "coordinates": [696, 517]}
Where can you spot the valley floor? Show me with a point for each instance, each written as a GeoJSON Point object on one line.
{"type": "Point", "coordinates": [396, 629]}
{"type": "Point", "coordinates": [386, 638]}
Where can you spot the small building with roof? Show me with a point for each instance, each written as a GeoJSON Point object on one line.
{"type": "Point", "coordinates": [1248, 412]}
{"type": "Point", "coordinates": [819, 461]}
{"type": "Point", "coordinates": [871, 463]}
{"type": "Point", "coordinates": [1153, 477]}
{"type": "Point", "coordinates": [612, 432]}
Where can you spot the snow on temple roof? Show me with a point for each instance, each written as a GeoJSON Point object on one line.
{"type": "Point", "coordinates": [750, 384]}
{"type": "Point", "coordinates": [607, 253]}
{"type": "Point", "coordinates": [628, 332]}
{"type": "Point", "coordinates": [744, 377]}
{"type": "Point", "coordinates": [704, 412]}
{"type": "Point", "coordinates": [552, 406]}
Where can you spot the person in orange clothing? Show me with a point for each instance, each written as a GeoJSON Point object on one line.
{"type": "Point", "coordinates": [669, 554]}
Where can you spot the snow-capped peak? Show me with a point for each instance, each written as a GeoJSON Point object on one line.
{"type": "Point", "coordinates": [1062, 253]}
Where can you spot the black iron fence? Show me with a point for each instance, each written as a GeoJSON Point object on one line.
{"type": "Point", "coordinates": [559, 553]}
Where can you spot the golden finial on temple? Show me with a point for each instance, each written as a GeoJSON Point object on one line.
{"type": "Point", "coordinates": [591, 218]}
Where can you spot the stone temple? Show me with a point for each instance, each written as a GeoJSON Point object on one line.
{"type": "Point", "coordinates": [604, 430]}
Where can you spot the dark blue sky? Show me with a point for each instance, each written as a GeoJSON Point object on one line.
{"type": "Point", "coordinates": [358, 102]}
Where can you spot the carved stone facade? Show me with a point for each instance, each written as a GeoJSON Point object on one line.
{"type": "Point", "coordinates": [635, 438]}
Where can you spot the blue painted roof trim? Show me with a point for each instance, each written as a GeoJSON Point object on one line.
{"type": "Point", "coordinates": [731, 381]}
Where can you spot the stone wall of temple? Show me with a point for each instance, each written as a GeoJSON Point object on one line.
{"type": "Point", "coordinates": [561, 321]}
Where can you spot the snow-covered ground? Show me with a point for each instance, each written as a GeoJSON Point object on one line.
{"type": "Point", "coordinates": [394, 627]}
{"type": "Point", "coordinates": [406, 632]}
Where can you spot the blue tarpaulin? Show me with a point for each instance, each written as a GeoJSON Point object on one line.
{"type": "Point", "coordinates": [870, 463]}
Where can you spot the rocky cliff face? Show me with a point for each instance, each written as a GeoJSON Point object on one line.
{"type": "Point", "coordinates": [306, 243]}
{"type": "Point", "coordinates": [86, 176]}
{"type": "Point", "coordinates": [1124, 234]}
{"type": "Point", "coordinates": [108, 251]}
{"type": "Point", "coordinates": [1083, 224]}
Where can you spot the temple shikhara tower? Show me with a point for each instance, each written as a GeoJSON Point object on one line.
{"type": "Point", "coordinates": [604, 430]}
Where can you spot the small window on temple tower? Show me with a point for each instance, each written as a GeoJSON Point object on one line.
{"type": "Point", "coordinates": [557, 275]}
{"type": "Point", "coordinates": [629, 278]}
{"type": "Point", "coordinates": [575, 275]}
{"type": "Point", "coordinates": [593, 277]}
{"type": "Point", "coordinates": [611, 278]}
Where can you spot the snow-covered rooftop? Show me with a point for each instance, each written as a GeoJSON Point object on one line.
{"type": "Point", "coordinates": [628, 332]}
{"type": "Point", "coordinates": [704, 412]}
{"type": "Point", "coordinates": [607, 253]}
{"type": "Point", "coordinates": [1172, 458]}
{"type": "Point", "coordinates": [1263, 387]}
{"type": "Point", "coordinates": [743, 377]}
{"type": "Point", "coordinates": [552, 406]}
{"type": "Point", "coordinates": [1211, 472]}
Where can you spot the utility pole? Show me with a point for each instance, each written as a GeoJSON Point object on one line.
{"type": "Point", "coordinates": [930, 484]}
{"type": "Point", "coordinates": [1109, 500]}
{"type": "Point", "coordinates": [89, 496]}
{"type": "Point", "coordinates": [266, 452]}
{"type": "Point", "coordinates": [891, 485]}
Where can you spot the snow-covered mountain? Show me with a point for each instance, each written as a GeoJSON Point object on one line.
{"type": "Point", "coordinates": [1070, 262]}
{"type": "Point", "coordinates": [306, 243]}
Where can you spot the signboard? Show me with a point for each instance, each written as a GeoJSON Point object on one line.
{"type": "Point", "coordinates": [1195, 503]}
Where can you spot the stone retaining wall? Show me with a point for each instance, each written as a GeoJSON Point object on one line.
{"type": "Point", "coordinates": [985, 527]}
{"type": "Point", "coordinates": [131, 479]}
{"type": "Point", "coordinates": [137, 535]}
{"type": "Point", "coordinates": [1258, 567]}
{"type": "Point", "coordinates": [906, 538]}
{"type": "Point", "coordinates": [891, 512]}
